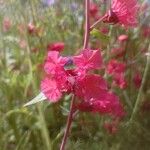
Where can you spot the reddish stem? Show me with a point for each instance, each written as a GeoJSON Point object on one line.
{"type": "Point", "coordinates": [86, 41]}
{"type": "Point", "coordinates": [97, 22]}
{"type": "Point", "coordinates": [69, 121]}
{"type": "Point", "coordinates": [87, 24]}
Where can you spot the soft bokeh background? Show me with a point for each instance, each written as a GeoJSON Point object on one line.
{"type": "Point", "coordinates": [27, 27]}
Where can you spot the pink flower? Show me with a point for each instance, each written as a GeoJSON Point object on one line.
{"type": "Point", "coordinates": [54, 63]}
{"type": "Point", "coordinates": [90, 89]}
{"type": "Point", "coordinates": [93, 10]}
{"type": "Point", "coordinates": [123, 38]}
{"type": "Point", "coordinates": [95, 97]}
{"type": "Point", "coordinates": [119, 80]}
{"type": "Point", "coordinates": [88, 59]}
{"type": "Point", "coordinates": [50, 89]}
{"type": "Point", "coordinates": [115, 67]}
{"type": "Point", "coordinates": [123, 12]}
{"type": "Point", "coordinates": [58, 46]}
{"type": "Point", "coordinates": [104, 103]}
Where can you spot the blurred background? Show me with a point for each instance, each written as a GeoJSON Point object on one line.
{"type": "Point", "coordinates": [27, 28]}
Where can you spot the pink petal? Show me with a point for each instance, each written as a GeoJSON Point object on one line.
{"type": "Point", "coordinates": [90, 86]}
{"type": "Point", "coordinates": [88, 59]}
{"type": "Point", "coordinates": [50, 90]}
{"type": "Point", "coordinates": [54, 63]}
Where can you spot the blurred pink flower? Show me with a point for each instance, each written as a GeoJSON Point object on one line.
{"type": "Point", "coordinates": [117, 70]}
{"type": "Point", "coordinates": [93, 10]}
{"type": "Point", "coordinates": [123, 38]}
{"type": "Point", "coordinates": [6, 24]}
{"type": "Point", "coordinates": [22, 43]}
{"type": "Point", "coordinates": [31, 28]}
{"type": "Point", "coordinates": [123, 12]}
{"type": "Point", "coordinates": [104, 30]}
{"type": "Point", "coordinates": [119, 80]}
{"type": "Point", "coordinates": [118, 52]}
{"type": "Point", "coordinates": [58, 46]}
{"type": "Point", "coordinates": [115, 66]}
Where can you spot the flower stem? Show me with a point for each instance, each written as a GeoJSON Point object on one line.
{"type": "Point", "coordinates": [86, 41]}
{"type": "Point", "coordinates": [69, 121]}
{"type": "Point", "coordinates": [87, 24]}
{"type": "Point", "coordinates": [141, 90]}
{"type": "Point", "coordinates": [97, 22]}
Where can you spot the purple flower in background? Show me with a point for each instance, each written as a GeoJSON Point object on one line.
{"type": "Point", "coordinates": [48, 2]}
{"type": "Point", "coordinates": [74, 6]}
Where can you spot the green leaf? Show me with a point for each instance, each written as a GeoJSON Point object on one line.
{"type": "Point", "coordinates": [40, 97]}
{"type": "Point", "coordinates": [99, 35]}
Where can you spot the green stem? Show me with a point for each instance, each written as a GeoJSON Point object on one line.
{"type": "Point", "coordinates": [141, 90]}
{"type": "Point", "coordinates": [97, 22]}
{"type": "Point", "coordinates": [44, 130]}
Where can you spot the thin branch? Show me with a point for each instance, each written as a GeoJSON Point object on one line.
{"type": "Point", "coordinates": [69, 121]}
{"type": "Point", "coordinates": [97, 22]}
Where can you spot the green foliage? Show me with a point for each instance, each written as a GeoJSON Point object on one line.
{"type": "Point", "coordinates": [101, 36]}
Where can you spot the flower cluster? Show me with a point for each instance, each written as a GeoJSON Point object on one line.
{"type": "Point", "coordinates": [75, 75]}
